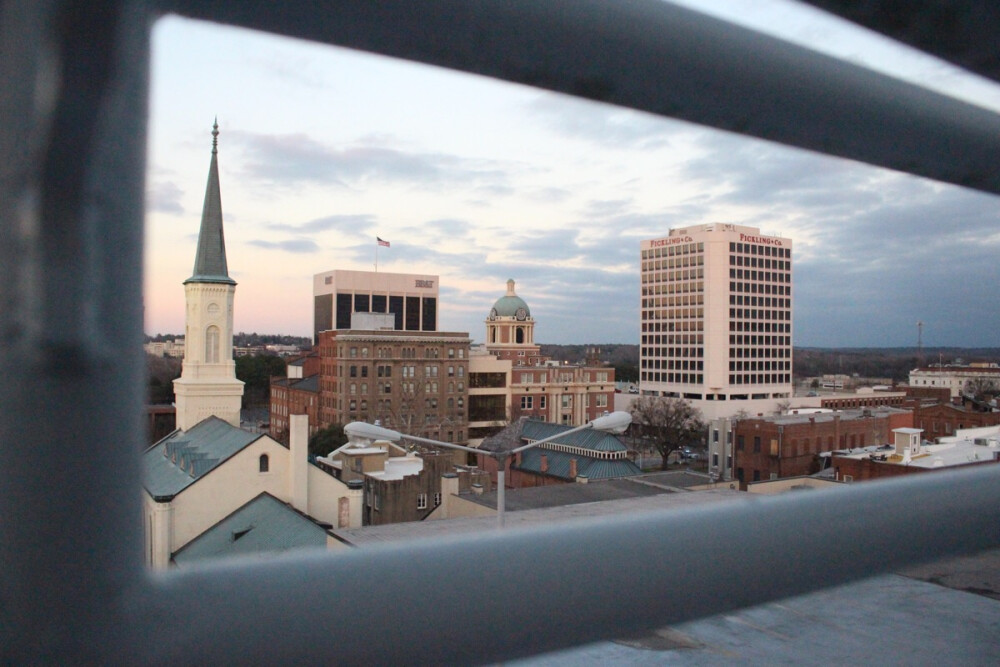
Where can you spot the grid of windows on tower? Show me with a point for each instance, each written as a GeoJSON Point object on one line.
{"type": "Point", "coordinates": [674, 313]}
{"type": "Point", "coordinates": [760, 315]}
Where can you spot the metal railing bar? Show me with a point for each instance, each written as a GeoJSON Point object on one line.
{"type": "Point", "coordinates": [71, 424]}
{"type": "Point", "coordinates": [656, 57]}
{"type": "Point", "coordinates": [962, 32]}
{"type": "Point", "coordinates": [456, 601]}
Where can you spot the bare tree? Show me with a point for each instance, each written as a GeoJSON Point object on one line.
{"type": "Point", "coordinates": [782, 407]}
{"type": "Point", "coordinates": [981, 388]}
{"type": "Point", "coordinates": [670, 423]}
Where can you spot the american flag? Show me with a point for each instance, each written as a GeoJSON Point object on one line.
{"type": "Point", "coordinates": [381, 242]}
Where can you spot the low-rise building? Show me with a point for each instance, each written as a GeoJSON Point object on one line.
{"type": "Point", "coordinates": [944, 419]}
{"type": "Point", "coordinates": [954, 378]}
{"type": "Point", "coordinates": [196, 478]}
{"type": "Point", "coordinates": [576, 457]}
{"type": "Point", "coordinates": [788, 445]}
{"type": "Point", "coordinates": [399, 484]}
{"type": "Point", "coordinates": [909, 453]}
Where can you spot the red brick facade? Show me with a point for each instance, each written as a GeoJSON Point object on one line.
{"type": "Point", "coordinates": [942, 420]}
{"type": "Point", "coordinates": [787, 446]}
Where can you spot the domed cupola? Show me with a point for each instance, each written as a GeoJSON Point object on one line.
{"type": "Point", "coordinates": [509, 322]}
{"type": "Point", "coordinates": [510, 305]}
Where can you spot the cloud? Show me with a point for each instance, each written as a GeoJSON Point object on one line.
{"type": "Point", "coordinates": [355, 224]}
{"type": "Point", "coordinates": [297, 158]}
{"type": "Point", "coordinates": [298, 246]}
{"type": "Point", "coordinates": [164, 197]}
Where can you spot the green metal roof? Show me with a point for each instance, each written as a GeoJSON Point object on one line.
{"type": "Point", "coordinates": [592, 468]}
{"type": "Point", "coordinates": [181, 458]}
{"type": "Point", "coordinates": [210, 260]}
{"type": "Point", "coordinates": [590, 439]}
{"type": "Point", "coordinates": [507, 305]}
{"type": "Point", "coordinates": [265, 525]}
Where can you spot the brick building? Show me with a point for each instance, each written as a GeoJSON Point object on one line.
{"type": "Point", "coordinates": [944, 419]}
{"type": "Point", "coordinates": [398, 484]}
{"type": "Point", "coordinates": [788, 445]}
{"type": "Point", "coordinates": [291, 396]}
{"type": "Point", "coordinates": [411, 381]}
{"type": "Point", "coordinates": [295, 394]}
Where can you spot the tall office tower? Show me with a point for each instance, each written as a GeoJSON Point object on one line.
{"type": "Point", "coordinates": [716, 314]}
{"type": "Point", "coordinates": [208, 385]}
{"type": "Point", "coordinates": [338, 295]}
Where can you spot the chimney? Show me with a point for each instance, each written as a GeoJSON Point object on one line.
{"type": "Point", "coordinates": [449, 488]}
{"type": "Point", "coordinates": [298, 470]}
{"type": "Point", "coordinates": [572, 468]}
{"type": "Point", "coordinates": [545, 463]}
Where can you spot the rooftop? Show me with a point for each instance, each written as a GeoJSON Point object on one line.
{"type": "Point", "coordinates": [643, 499]}
{"type": "Point", "coordinates": [263, 526]}
{"type": "Point", "coordinates": [843, 415]}
{"type": "Point", "coordinates": [527, 430]}
{"type": "Point", "coordinates": [944, 455]}
{"type": "Point", "coordinates": [181, 458]}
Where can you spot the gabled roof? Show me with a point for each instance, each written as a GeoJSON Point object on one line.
{"type": "Point", "coordinates": [183, 457]}
{"type": "Point", "coordinates": [265, 525]}
{"type": "Point", "coordinates": [210, 260]}
{"type": "Point", "coordinates": [591, 468]}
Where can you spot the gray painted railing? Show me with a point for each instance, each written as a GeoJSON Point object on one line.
{"type": "Point", "coordinates": [73, 91]}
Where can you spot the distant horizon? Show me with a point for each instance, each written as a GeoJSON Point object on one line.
{"type": "Point", "coordinates": [914, 348]}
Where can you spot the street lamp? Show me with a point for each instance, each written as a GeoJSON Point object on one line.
{"type": "Point", "coordinates": [615, 423]}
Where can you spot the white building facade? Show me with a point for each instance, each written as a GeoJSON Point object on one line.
{"type": "Point", "coordinates": [716, 318]}
{"type": "Point", "coordinates": [954, 378]}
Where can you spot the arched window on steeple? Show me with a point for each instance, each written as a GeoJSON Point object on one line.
{"type": "Point", "coordinates": [519, 335]}
{"type": "Point", "coordinates": [212, 345]}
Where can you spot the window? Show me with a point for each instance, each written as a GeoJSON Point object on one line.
{"type": "Point", "coordinates": [602, 400]}
{"type": "Point", "coordinates": [437, 499]}
{"type": "Point", "coordinates": [212, 345]}
{"type": "Point", "coordinates": [541, 402]}
{"type": "Point", "coordinates": [756, 444]}
{"type": "Point", "coordinates": [567, 401]}
{"type": "Point", "coordinates": [526, 402]}
{"type": "Point", "coordinates": [263, 463]}
{"type": "Point", "coordinates": [421, 501]}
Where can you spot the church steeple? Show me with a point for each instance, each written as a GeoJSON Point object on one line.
{"type": "Point", "coordinates": [210, 260]}
{"type": "Point", "coordinates": [208, 385]}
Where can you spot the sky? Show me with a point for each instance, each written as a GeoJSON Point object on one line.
{"type": "Point", "coordinates": [322, 149]}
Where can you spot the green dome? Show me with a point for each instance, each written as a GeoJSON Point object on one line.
{"type": "Point", "coordinates": [510, 305]}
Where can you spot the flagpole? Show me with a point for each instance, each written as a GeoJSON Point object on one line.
{"type": "Point", "coordinates": [376, 254]}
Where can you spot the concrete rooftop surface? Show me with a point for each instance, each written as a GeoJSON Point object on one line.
{"type": "Point", "coordinates": [888, 619]}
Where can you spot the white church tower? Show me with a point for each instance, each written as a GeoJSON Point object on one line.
{"type": "Point", "coordinates": [208, 385]}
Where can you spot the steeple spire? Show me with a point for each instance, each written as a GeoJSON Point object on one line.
{"type": "Point", "coordinates": [210, 261]}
